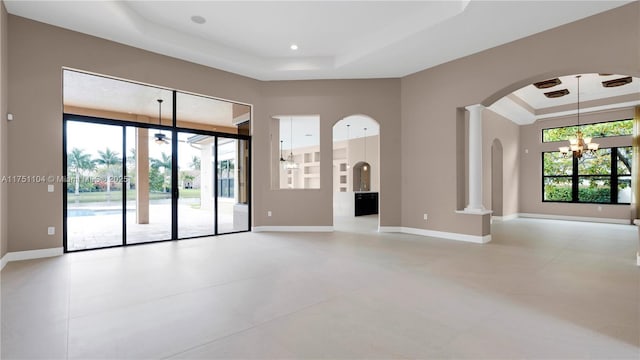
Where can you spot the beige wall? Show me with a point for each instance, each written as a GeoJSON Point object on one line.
{"type": "Point", "coordinates": [608, 42]}
{"type": "Point", "coordinates": [494, 127]}
{"type": "Point", "coordinates": [3, 129]}
{"type": "Point", "coordinates": [531, 167]}
{"type": "Point", "coordinates": [417, 116]}
{"type": "Point", "coordinates": [38, 53]}
{"type": "Point", "coordinates": [36, 57]}
{"type": "Point", "coordinates": [332, 100]}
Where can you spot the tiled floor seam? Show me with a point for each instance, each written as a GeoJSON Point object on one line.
{"type": "Point", "coordinates": [277, 317]}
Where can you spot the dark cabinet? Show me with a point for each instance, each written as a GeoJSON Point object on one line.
{"type": "Point", "coordinates": [366, 203]}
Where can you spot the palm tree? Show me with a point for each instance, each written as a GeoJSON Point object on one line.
{"type": "Point", "coordinates": [108, 158]}
{"type": "Point", "coordinates": [79, 161]}
{"type": "Point", "coordinates": [195, 163]}
{"type": "Point", "coordinates": [163, 164]}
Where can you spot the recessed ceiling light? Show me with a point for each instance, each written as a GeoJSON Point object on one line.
{"type": "Point", "coordinates": [198, 19]}
{"type": "Point", "coordinates": [293, 47]}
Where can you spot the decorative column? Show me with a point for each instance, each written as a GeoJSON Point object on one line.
{"type": "Point", "coordinates": [142, 175]}
{"type": "Point", "coordinates": [475, 159]}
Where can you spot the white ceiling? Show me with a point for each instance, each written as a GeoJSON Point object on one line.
{"type": "Point", "coordinates": [103, 93]}
{"type": "Point", "coordinates": [590, 89]}
{"type": "Point", "coordinates": [528, 104]}
{"type": "Point", "coordinates": [336, 39]}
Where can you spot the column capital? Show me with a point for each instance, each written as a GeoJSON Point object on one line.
{"type": "Point", "coordinates": [475, 107]}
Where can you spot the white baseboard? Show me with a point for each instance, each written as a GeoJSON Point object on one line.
{"type": "Point", "coordinates": [292, 228]}
{"type": "Point", "coordinates": [504, 218]}
{"type": "Point", "coordinates": [575, 218]}
{"type": "Point", "coordinates": [390, 229]}
{"type": "Point", "coordinates": [439, 234]}
{"type": "Point", "coordinates": [30, 254]}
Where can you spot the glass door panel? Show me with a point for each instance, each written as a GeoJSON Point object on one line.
{"type": "Point", "coordinates": [95, 187]}
{"type": "Point", "coordinates": [232, 185]}
{"type": "Point", "coordinates": [149, 193]}
{"type": "Point", "coordinates": [196, 205]}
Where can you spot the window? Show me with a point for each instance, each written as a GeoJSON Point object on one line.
{"type": "Point", "coordinates": [603, 179]}
{"type": "Point", "coordinates": [296, 150]}
{"type": "Point", "coordinates": [604, 129]}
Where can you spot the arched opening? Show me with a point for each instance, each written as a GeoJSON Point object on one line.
{"type": "Point", "coordinates": [496, 178]}
{"type": "Point", "coordinates": [547, 113]}
{"type": "Point", "coordinates": [362, 176]}
{"type": "Point", "coordinates": [356, 173]}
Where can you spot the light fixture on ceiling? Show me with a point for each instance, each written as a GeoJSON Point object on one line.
{"type": "Point", "coordinates": [556, 94]}
{"type": "Point", "coordinates": [579, 145]}
{"type": "Point", "coordinates": [365, 167]}
{"type": "Point", "coordinates": [617, 82]}
{"type": "Point", "coordinates": [160, 138]}
{"type": "Point", "coordinates": [198, 19]}
{"type": "Point", "coordinates": [282, 159]}
{"type": "Point", "coordinates": [293, 47]}
{"type": "Point", "coordinates": [290, 164]}
{"type": "Point", "coordinates": [547, 83]}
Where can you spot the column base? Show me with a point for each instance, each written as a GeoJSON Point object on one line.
{"type": "Point", "coordinates": [474, 211]}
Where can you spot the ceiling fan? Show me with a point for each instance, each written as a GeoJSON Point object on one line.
{"type": "Point", "coordinates": [160, 137]}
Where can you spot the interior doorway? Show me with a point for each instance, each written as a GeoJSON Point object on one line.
{"type": "Point", "coordinates": [356, 174]}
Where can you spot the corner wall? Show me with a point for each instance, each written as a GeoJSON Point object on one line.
{"type": "Point", "coordinates": [333, 100]}
{"type": "Point", "coordinates": [38, 52]}
{"type": "Point", "coordinates": [430, 99]}
{"type": "Point", "coordinates": [3, 129]}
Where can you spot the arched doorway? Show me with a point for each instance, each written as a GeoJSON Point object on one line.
{"type": "Point", "coordinates": [356, 174]}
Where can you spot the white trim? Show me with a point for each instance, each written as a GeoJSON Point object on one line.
{"type": "Point", "coordinates": [638, 258]}
{"type": "Point", "coordinates": [504, 218]}
{"type": "Point", "coordinates": [469, 211]}
{"type": "Point", "coordinates": [439, 234]}
{"type": "Point", "coordinates": [628, 104]}
{"type": "Point", "coordinates": [575, 218]}
{"type": "Point", "coordinates": [390, 229]}
{"type": "Point", "coordinates": [448, 235]}
{"type": "Point", "coordinates": [292, 228]}
{"type": "Point", "coordinates": [30, 254]}
{"type": "Point", "coordinates": [513, 111]}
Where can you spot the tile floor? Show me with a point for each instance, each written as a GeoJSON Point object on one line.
{"type": "Point", "coordinates": [540, 289]}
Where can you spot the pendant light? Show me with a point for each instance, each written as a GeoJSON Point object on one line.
{"type": "Point", "coordinates": [291, 164]}
{"type": "Point", "coordinates": [160, 138]}
{"type": "Point", "coordinates": [281, 157]}
{"type": "Point", "coordinates": [365, 167]}
{"type": "Point", "coordinates": [579, 145]}
{"type": "Point", "coordinates": [348, 141]}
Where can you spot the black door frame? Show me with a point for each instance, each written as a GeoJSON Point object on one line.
{"type": "Point", "coordinates": [174, 129]}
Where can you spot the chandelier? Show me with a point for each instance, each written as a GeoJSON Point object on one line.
{"type": "Point", "coordinates": [579, 145]}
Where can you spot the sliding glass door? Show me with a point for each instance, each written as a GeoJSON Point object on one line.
{"type": "Point", "coordinates": [123, 189]}
{"type": "Point", "coordinates": [196, 190]}
{"type": "Point", "coordinates": [232, 180]}
{"type": "Point", "coordinates": [149, 195]}
{"type": "Point", "coordinates": [94, 206]}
